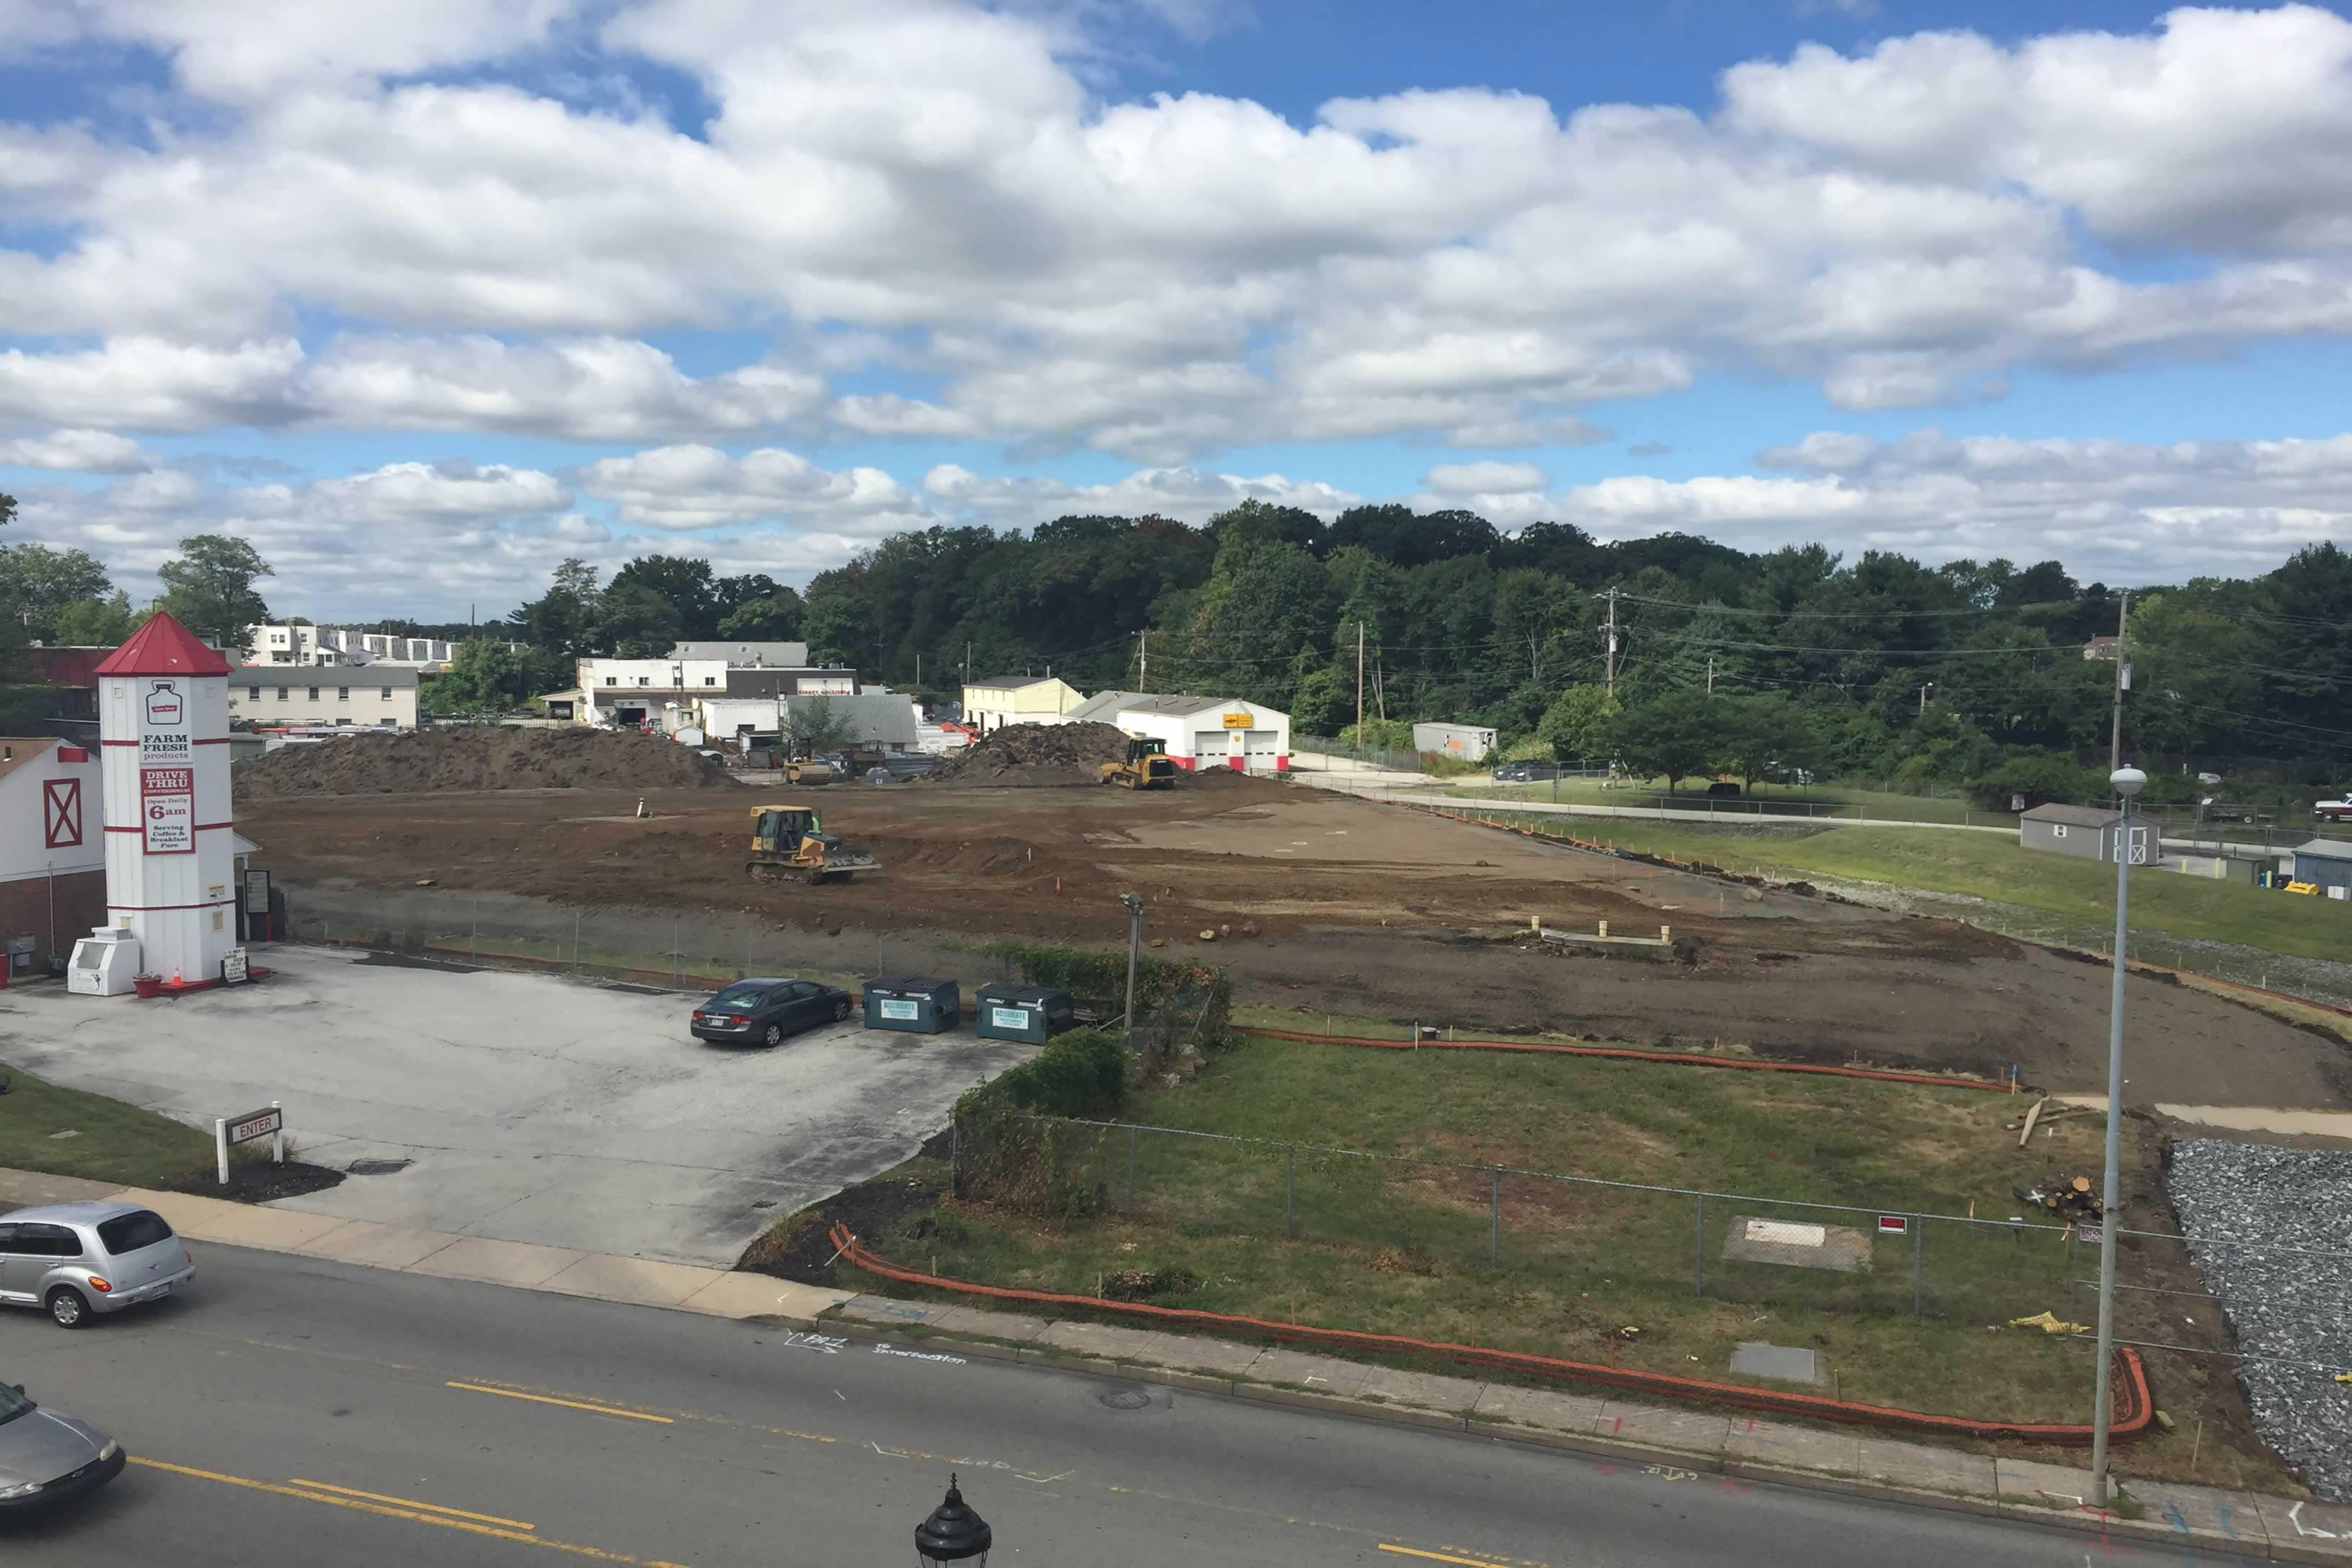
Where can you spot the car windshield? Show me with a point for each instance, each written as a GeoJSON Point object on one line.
{"type": "Point", "coordinates": [129, 1232]}
{"type": "Point", "coordinates": [738, 996]}
{"type": "Point", "coordinates": [11, 1404]}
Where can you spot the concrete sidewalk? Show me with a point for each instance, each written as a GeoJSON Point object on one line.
{"type": "Point", "coordinates": [720, 1292]}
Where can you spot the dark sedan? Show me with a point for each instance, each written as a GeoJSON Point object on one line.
{"type": "Point", "coordinates": [47, 1458]}
{"type": "Point", "coordinates": [765, 1011]}
{"type": "Point", "coordinates": [1526, 772]}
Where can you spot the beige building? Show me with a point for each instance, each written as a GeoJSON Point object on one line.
{"type": "Point", "coordinates": [1004, 699]}
{"type": "Point", "coordinates": [375, 697]}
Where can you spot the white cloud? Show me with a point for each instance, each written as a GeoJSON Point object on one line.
{"type": "Point", "coordinates": [81, 451]}
{"type": "Point", "coordinates": [150, 383]}
{"type": "Point", "coordinates": [1484, 478]}
{"type": "Point", "coordinates": [694, 487]}
{"type": "Point", "coordinates": [934, 184]}
{"type": "Point", "coordinates": [1186, 495]}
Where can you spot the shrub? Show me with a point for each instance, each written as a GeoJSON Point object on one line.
{"type": "Point", "coordinates": [1083, 1072]}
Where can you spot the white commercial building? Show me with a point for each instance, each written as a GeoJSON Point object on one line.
{"type": "Point", "coordinates": [995, 701]}
{"type": "Point", "coordinates": [1208, 731]}
{"type": "Point", "coordinates": [1462, 743]}
{"type": "Point", "coordinates": [289, 643]}
{"type": "Point", "coordinates": [747, 654]}
{"type": "Point", "coordinates": [372, 697]}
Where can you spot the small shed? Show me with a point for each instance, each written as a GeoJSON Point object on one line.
{"type": "Point", "coordinates": [913, 1004]}
{"type": "Point", "coordinates": [2326, 862]}
{"type": "Point", "coordinates": [2086, 832]}
{"type": "Point", "coordinates": [1009, 1010]}
{"type": "Point", "coordinates": [1461, 742]}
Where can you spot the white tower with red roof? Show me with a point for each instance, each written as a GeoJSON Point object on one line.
{"type": "Point", "coordinates": [162, 725]}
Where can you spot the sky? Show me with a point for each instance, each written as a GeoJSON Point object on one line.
{"type": "Point", "coordinates": [422, 297]}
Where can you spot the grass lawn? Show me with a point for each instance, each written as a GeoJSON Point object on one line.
{"type": "Point", "coordinates": [1844, 805]}
{"type": "Point", "coordinates": [112, 1142]}
{"type": "Point", "coordinates": [2079, 894]}
{"type": "Point", "coordinates": [1345, 1241]}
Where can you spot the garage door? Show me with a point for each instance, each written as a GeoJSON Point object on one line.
{"type": "Point", "coordinates": [1209, 748]}
{"type": "Point", "coordinates": [1260, 746]}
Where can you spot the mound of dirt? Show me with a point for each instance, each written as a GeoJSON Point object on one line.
{"type": "Point", "coordinates": [1034, 755]}
{"type": "Point", "coordinates": [430, 761]}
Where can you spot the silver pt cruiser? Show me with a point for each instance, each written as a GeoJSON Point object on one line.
{"type": "Point", "coordinates": [76, 1259]}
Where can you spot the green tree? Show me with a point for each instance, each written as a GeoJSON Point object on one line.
{"type": "Point", "coordinates": [1576, 723]}
{"type": "Point", "coordinates": [1765, 733]}
{"type": "Point", "coordinates": [682, 582]}
{"type": "Point", "coordinates": [209, 586]}
{"type": "Point", "coordinates": [813, 726]}
{"type": "Point", "coordinates": [637, 622]}
{"type": "Point", "coordinates": [1676, 733]}
{"type": "Point", "coordinates": [95, 623]}
{"type": "Point", "coordinates": [563, 620]}
{"type": "Point", "coordinates": [36, 583]}
{"type": "Point", "coordinates": [772, 617]}
{"type": "Point", "coordinates": [487, 677]}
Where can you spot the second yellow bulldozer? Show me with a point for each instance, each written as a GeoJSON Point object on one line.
{"type": "Point", "coordinates": [1147, 767]}
{"type": "Point", "coordinates": [789, 844]}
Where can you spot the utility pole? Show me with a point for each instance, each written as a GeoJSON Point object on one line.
{"type": "Point", "coordinates": [1359, 681]}
{"type": "Point", "coordinates": [1143, 661]}
{"type": "Point", "coordinates": [1710, 675]}
{"type": "Point", "coordinates": [2123, 684]}
{"type": "Point", "coordinates": [1609, 666]}
{"type": "Point", "coordinates": [1923, 698]}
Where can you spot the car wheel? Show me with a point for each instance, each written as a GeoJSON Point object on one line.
{"type": "Point", "coordinates": [775, 1034]}
{"type": "Point", "coordinates": [66, 1307]}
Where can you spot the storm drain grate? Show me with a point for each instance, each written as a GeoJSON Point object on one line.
{"type": "Point", "coordinates": [1125, 1398]}
{"type": "Point", "coordinates": [377, 1167]}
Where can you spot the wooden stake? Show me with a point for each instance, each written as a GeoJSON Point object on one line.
{"type": "Point", "coordinates": [2195, 1443]}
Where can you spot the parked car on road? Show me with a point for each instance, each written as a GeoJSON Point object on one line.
{"type": "Point", "coordinates": [765, 1011]}
{"type": "Point", "coordinates": [1526, 772]}
{"type": "Point", "coordinates": [48, 1457]}
{"type": "Point", "coordinates": [77, 1261]}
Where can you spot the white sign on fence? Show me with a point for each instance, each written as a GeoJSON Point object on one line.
{"type": "Point", "coordinates": [269, 1123]}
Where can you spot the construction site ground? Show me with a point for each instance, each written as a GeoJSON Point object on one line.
{"type": "Point", "coordinates": [1323, 903]}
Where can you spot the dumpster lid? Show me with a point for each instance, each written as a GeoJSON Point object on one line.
{"type": "Point", "coordinates": [1016, 990]}
{"type": "Point", "coordinates": [907, 984]}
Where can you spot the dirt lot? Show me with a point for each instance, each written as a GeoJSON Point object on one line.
{"type": "Point", "coordinates": [1358, 908]}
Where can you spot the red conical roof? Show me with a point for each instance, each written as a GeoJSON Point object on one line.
{"type": "Point", "coordinates": [163, 647]}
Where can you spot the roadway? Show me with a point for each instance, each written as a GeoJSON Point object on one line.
{"type": "Point", "coordinates": [289, 1409]}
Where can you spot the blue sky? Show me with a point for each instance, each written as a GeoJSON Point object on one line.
{"type": "Point", "coordinates": [768, 285]}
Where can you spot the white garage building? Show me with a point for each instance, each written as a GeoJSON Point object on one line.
{"type": "Point", "coordinates": [1209, 731]}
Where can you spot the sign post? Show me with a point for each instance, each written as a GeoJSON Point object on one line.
{"type": "Point", "coordinates": [270, 1124]}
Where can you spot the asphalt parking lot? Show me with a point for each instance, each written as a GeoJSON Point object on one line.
{"type": "Point", "coordinates": [530, 1108]}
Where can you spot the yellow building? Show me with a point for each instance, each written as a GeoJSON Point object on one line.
{"type": "Point", "coordinates": [1004, 699]}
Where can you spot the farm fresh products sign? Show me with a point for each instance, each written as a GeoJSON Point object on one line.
{"type": "Point", "coordinates": [167, 774]}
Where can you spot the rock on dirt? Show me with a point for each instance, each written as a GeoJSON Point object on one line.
{"type": "Point", "coordinates": [1034, 755]}
{"type": "Point", "coordinates": [2267, 1228]}
{"type": "Point", "coordinates": [433, 761]}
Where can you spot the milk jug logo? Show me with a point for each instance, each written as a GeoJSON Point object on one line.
{"type": "Point", "coordinates": [163, 724]}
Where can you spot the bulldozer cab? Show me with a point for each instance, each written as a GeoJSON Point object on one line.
{"type": "Point", "coordinates": [1147, 765]}
{"type": "Point", "coordinates": [1139, 750]}
{"type": "Point", "coordinates": [779, 829]}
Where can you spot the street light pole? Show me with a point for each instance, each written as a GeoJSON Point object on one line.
{"type": "Point", "coordinates": [2128, 783]}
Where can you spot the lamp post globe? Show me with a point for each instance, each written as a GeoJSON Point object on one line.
{"type": "Point", "coordinates": [2128, 782]}
{"type": "Point", "coordinates": [953, 1534]}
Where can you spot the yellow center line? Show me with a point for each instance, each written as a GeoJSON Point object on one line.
{"type": "Point", "coordinates": [411, 1502]}
{"type": "Point", "coordinates": [1441, 1556]}
{"type": "Point", "coordinates": [567, 1404]}
{"type": "Point", "coordinates": [596, 1553]}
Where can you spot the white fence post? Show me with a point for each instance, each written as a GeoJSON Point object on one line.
{"type": "Point", "coordinates": [220, 1146]}
{"type": "Point", "coordinates": [277, 1139]}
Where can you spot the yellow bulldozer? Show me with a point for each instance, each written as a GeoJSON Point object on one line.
{"type": "Point", "coordinates": [1147, 767]}
{"type": "Point", "coordinates": [789, 844]}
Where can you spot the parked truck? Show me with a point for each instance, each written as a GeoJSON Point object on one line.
{"type": "Point", "coordinates": [2336, 810]}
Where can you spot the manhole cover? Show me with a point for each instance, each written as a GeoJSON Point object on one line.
{"type": "Point", "coordinates": [377, 1167]}
{"type": "Point", "coordinates": [1126, 1399]}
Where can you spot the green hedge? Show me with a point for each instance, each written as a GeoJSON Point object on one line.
{"type": "Point", "coordinates": [1102, 975]}
{"type": "Point", "coordinates": [1082, 1072]}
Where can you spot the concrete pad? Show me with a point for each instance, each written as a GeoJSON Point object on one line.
{"type": "Point", "coordinates": [637, 1279]}
{"type": "Point", "coordinates": [534, 1109]}
{"type": "Point", "coordinates": [1920, 1467]}
{"type": "Point", "coordinates": [1690, 1431]}
{"type": "Point", "coordinates": [377, 1246]}
{"type": "Point", "coordinates": [1315, 1374]}
{"type": "Point", "coordinates": [1792, 1448]}
{"type": "Point", "coordinates": [497, 1262]}
{"type": "Point", "coordinates": [1782, 1363]}
{"type": "Point", "coordinates": [1016, 1326]}
{"type": "Point", "coordinates": [2206, 1517]}
{"type": "Point", "coordinates": [883, 1310]}
{"type": "Point", "coordinates": [1099, 1341]}
{"type": "Point", "coordinates": [2048, 1487]}
{"type": "Point", "coordinates": [1540, 1407]}
{"type": "Point", "coordinates": [1424, 1390]}
{"type": "Point", "coordinates": [273, 1230]}
{"type": "Point", "coordinates": [2306, 1531]}
{"type": "Point", "coordinates": [1193, 1353]}
{"type": "Point", "coordinates": [31, 1189]}
{"type": "Point", "coordinates": [739, 1295]}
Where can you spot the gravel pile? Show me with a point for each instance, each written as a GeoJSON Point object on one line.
{"type": "Point", "coordinates": [1034, 755]}
{"type": "Point", "coordinates": [2281, 1297]}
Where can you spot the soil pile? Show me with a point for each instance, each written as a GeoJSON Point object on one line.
{"type": "Point", "coordinates": [1034, 755]}
{"type": "Point", "coordinates": [432, 761]}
